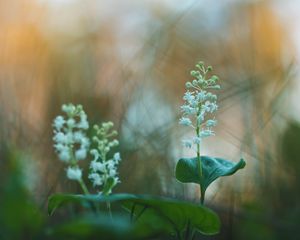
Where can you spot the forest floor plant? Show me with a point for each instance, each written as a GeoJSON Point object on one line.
{"type": "Point", "coordinates": [148, 216]}
{"type": "Point", "coordinates": [198, 113]}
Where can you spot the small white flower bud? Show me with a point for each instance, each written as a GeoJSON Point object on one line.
{"type": "Point", "coordinates": [195, 82]}
{"type": "Point", "coordinates": [189, 85]}
{"type": "Point", "coordinates": [64, 108]}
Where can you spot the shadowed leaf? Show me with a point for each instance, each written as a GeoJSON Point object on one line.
{"type": "Point", "coordinates": [173, 215]}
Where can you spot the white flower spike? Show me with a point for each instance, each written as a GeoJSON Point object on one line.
{"type": "Point", "coordinates": [200, 105]}
{"type": "Point", "coordinates": [103, 171]}
{"type": "Point", "coordinates": [70, 141]}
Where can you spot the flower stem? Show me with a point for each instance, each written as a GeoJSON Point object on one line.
{"type": "Point", "coordinates": [109, 210]}
{"type": "Point", "coordinates": [198, 154]}
{"type": "Point", "coordinates": [83, 186]}
{"type": "Point", "coordinates": [202, 196]}
{"type": "Point", "coordinates": [198, 148]}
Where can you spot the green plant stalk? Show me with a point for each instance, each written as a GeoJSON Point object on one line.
{"type": "Point", "coordinates": [198, 144]}
{"type": "Point", "coordinates": [199, 157]}
{"type": "Point", "coordinates": [202, 196]}
{"type": "Point", "coordinates": [105, 182]}
{"type": "Point", "coordinates": [109, 210]}
{"type": "Point", "coordinates": [198, 152]}
{"type": "Point", "coordinates": [83, 187]}
{"type": "Point", "coordinates": [86, 192]}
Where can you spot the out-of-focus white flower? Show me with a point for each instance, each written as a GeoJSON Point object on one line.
{"type": "Point", "coordinates": [85, 142]}
{"type": "Point", "coordinates": [197, 140]}
{"type": "Point", "coordinates": [185, 121]}
{"type": "Point", "coordinates": [60, 138]}
{"type": "Point", "coordinates": [83, 124]}
{"type": "Point", "coordinates": [187, 143]}
{"type": "Point", "coordinates": [206, 133]}
{"type": "Point", "coordinates": [70, 141]}
{"type": "Point", "coordinates": [74, 173]}
{"type": "Point", "coordinates": [112, 172]}
{"type": "Point", "coordinates": [117, 157]}
{"type": "Point", "coordinates": [64, 155]}
{"type": "Point", "coordinates": [201, 96]}
{"type": "Point", "coordinates": [189, 97]}
{"type": "Point", "coordinates": [59, 122]}
{"type": "Point", "coordinates": [211, 123]}
{"type": "Point", "coordinates": [110, 164]}
{"type": "Point", "coordinates": [188, 110]}
{"type": "Point", "coordinates": [71, 123]}
{"type": "Point", "coordinates": [80, 154]}
{"type": "Point", "coordinates": [97, 166]}
{"type": "Point", "coordinates": [96, 179]}
{"type": "Point", "coordinates": [78, 136]}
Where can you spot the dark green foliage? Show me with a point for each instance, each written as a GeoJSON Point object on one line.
{"type": "Point", "coordinates": [20, 218]}
{"type": "Point", "coordinates": [160, 215]}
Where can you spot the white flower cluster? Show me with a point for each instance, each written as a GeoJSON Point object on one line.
{"type": "Point", "coordinates": [200, 104]}
{"type": "Point", "coordinates": [103, 169]}
{"type": "Point", "coordinates": [71, 142]}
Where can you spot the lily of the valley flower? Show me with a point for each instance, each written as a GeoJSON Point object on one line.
{"type": "Point", "coordinates": [103, 169]}
{"type": "Point", "coordinates": [200, 105]}
{"type": "Point", "coordinates": [70, 140]}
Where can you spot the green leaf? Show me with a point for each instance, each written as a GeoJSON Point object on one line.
{"type": "Point", "coordinates": [187, 170]}
{"type": "Point", "coordinates": [57, 200]}
{"type": "Point", "coordinates": [172, 215]}
{"type": "Point", "coordinates": [178, 214]}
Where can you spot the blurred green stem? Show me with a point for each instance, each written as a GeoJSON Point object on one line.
{"type": "Point", "coordinates": [202, 195]}
{"type": "Point", "coordinates": [198, 144]}
{"type": "Point", "coordinates": [109, 210]}
{"type": "Point", "coordinates": [83, 186]}
{"type": "Point", "coordinates": [198, 154]}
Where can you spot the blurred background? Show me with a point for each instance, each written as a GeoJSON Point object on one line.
{"type": "Point", "coordinates": [127, 61]}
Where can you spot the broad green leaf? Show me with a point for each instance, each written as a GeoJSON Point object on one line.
{"type": "Point", "coordinates": [174, 215]}
{"type": "Point", "coordinates": [57, 200]}
{"type": "Point", "coordinates": [178, 214]}
{"type": "Point", "coordinates": [187, 170]}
